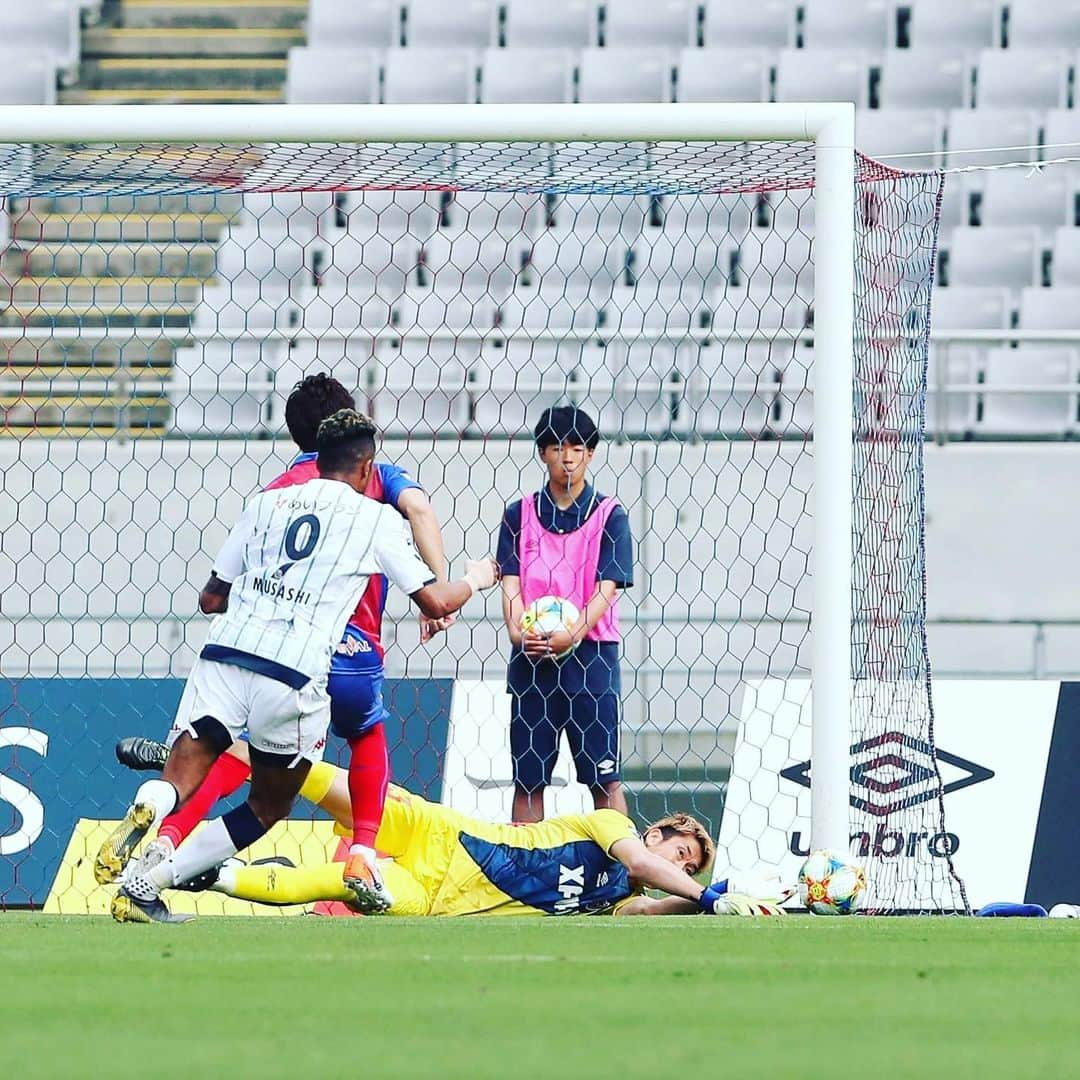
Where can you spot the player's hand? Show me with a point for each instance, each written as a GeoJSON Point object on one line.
{"type": "Point", "coordinates": [430, 627]}
{"type": "Point", "coordinates": [481, 573]}
{"type": "Point", "coordinates": [541, 646]}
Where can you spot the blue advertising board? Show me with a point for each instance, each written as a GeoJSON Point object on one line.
{"type": "Point", "coordinates": [57, 763]}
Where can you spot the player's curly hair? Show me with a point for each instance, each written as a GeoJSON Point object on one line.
{"type": "Point", "coordinates": [312, 400]}
{"type": "Point", "coordinates": [686, 825]}
{"type": "Point", "coordinates": [345, 439]}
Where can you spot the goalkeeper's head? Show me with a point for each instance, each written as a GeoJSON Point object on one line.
{"type": "Point", "coordinates": [683, 840]}
{"type": "Point", "coordinates": [314, 399]}
{"type": "Point", "coordinates": [346, 446]}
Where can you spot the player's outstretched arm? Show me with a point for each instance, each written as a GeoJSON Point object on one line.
{"type": "Point", "coordinates": [668, 905]}
{"type": "Point", "coordinates": [428, 538]}
{"type": "Point", "coordinates": [442, 598]}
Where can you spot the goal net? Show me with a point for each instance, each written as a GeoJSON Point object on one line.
{"type": "Point", "coordinates": [159, 304]}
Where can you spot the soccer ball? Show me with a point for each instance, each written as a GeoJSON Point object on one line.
{"type": "Point", "coordinates": [551, 613]}
{"type": "Point", "coordinates": [831, 884]}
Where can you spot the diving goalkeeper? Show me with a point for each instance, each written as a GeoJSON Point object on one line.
{"type": "Point", "coordinates": [441, 862]}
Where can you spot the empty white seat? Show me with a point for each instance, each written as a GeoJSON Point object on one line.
{"type": "Point", "coordinates": [862, 24]}
{"type": "Point", "coordinates": [1004, 255]}
{"type": "Point", "coordinates": [758, 305]}
{"type": "Point", "coordinates": [27, 77]}
{"type": "Point", "coordinates": [223, 387]}
{"type": "Point", "coordinates": [766, 24]}
{"type": "Point", "coordinates": [602, 215]}
{"type": "Point", "coordinates": [1065, 267]}
{"type": "Point", "coordinates": [1021, 78]}
{"type": "Point", "coordinates": [557, 307]}
{"type": "Point", "coordinates": [429, 312]}
{"type": "Point", "coordinates": [49, 26]}
{"type": "Point", "coordinates": [884, 133]}
{"type": "Point", "coordinates": [567, 24]}
{"type": "Point", "coordinates": [1012, 197]}
{"type": "Point", "coordinates": [512, 380]}
{"type": "Point", "coordinates": [348, 361]}
{"type": "Point", "coordinates": [676, 309]}
{"type": "Point", "coordinates": [420, 385]}
{"type": "Point", "coordinates": [924, 78]}
{"type": "Point", "coordinates": [1049, 24]}
{"type": "Point", "coordinates": [972, 24]}
{"type": "Point", "coordinates": [785, 259]}
{"type": "Point", "coordinates": [619, 75]}
{"type": "Point", "coordinates": [648, 387]}
{"type": "Point", "coordinates": [664, 259]}
{"type": "Point", "coordinates": [520, 75]}
{"type": "Point", "coordinates": [1029, 412]}
{"type": "Point", "coordinates": [324, 74]}
{"type": "Point", "coordinates": [652, 23]}
{"type": "Point", "coordinates": [1061, 129]}
{"type": "Point", "coordinates": [462, 261]}
{"type": "Point", "coordinates": [361, 23]}
{"type": "Point", "coordinates": [1050, 309]}
{"type": "Point", "coordinates": [974, 130]}
{"type": "Point", "coordinates": [723, 75]}
{"type": "Point", "coordinates": [733, 385]}
{"type": "Point", "coordinates": [494, 212]}
{"type": "Point", "coordinates": [704, 215]}
{"type": "Point", "coordinates": [463, 24]}
{"type": "Point", "coordinates": [821, 75]}
{"type": "Point", "coordinates": [344, 304]}
{"type": "Point", "coordinates": [970, 307]}
{"type": "Point", "coordinates": [390, 215]}
{"type": "Point", "coordinates": [951, 375]}
{"type": "Point", "coordinates": [424, 76]}
{"type": "Point", "coordinates": [577, 259]}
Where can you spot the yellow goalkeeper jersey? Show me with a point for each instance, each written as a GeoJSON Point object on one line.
{"type": "Point", "coordinates": [468, 867]}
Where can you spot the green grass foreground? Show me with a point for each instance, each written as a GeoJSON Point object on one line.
{"type": "Point", "coordinates": [530, 998]}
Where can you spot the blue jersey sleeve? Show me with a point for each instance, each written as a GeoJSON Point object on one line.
{"type": "Point", "coordinates": [616, 562]}
{"type": "Point", "coordinates": [507, 551]}
{"type": "Point", "coordinates": [395, 480]}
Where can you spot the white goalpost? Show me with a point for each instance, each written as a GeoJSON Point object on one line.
{"type": "Point", "coordinates": [368, 158]}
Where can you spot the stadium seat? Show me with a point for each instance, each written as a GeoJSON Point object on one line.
{"type": "Point", "coordinates": [970, 307]}
{"type": "Point", "coordinates": [951, 411]}
{"type": "Point", "coordinates": [579, 259]}
{"type": "Point", "coordinates": [677, 308]}
{"type": "Point", "coordinates": [1004, 255]}
{"type": "Point", "coordinates": [1013, 197]}
{"type": "Point", "coordinates": [648, 387]}
{"type": "Point", "coordinates": [490, 212]}
{"type": "Point", "coordinates": [925, 78]}
{"type": "Point", "coordinates": [1021, 79]}
{"type": "Point", "coordinates": [325, 74]}
{"type": "Point", "coordinates": [512, 380]}
{"type": "Point", "coordinates": [567, 24]}
{"type": "Point", "coordinates": [616, 75]}
{"type": "Point", "coordinates": [420, 385]}
{"type": "Point", "coordinates": [555, 307]}
{"type": "Point", "coordinates": [732, 386]}
{"type": "Point", "coordinates": [390, 215]}
{"type": "Point", "coordinates": [975, 129]}
{"type": "Point", "coordinates": [578, 217]}
{"type": "Point", "coordinates": [222, 387]}
{"type": "Point", "coordinates": [27, 77]}
{"type": "Point", "coordinates": [757, 305]}
{"type": "Point", "coordinates": [647, 23]}
{"type": "Point", "coordinates": [1049, 309]}
{"type": "Point", "coordinates": [345, 303]}
{"type": "Point", "coordinates": [705, 215]}
{"type": "Point", "coordinates": [885, 133]}
{"type": "Point", "coordinates": [465, 24]}
{"type": "Point", "coordinates": [372, 24]}
{"type": "Point", "coordinates": [723, 75]}
{"type": "Point", "coordinates": [424, 76]}
{"type": "Point", "coordinates": [766, 24]}
{"type": "Point", "coordinates": [463, 262]}
{"type": "Point", "coordinates": [520, 76]}
{"type": "Point", "coordinates": [664, 259]}
{"type": "Point", "coordinates": [821, 75]}
{"type": "Point", "coordinates": [50, 26]}
{"type": "Point", "coordinates": [1065, 265]}
{"type": "Point", "coordinates": [427, 312]}
{"type": "Point", "coordinates": [971, 24]}
{"type": "Point", "coordinates": [1047, 24]}
{"type": "Point", "coordinates": [1061, 132]}
{"type": "Point", "coordinates": [1051, 414]}
{"type": "Point", "coordinates": [859, 24]}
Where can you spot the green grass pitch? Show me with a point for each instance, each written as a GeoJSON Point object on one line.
{"type": "Point", "coordinates": [534, 998]}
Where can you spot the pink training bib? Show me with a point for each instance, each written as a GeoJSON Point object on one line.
{"type": "Point", "coordinates": [564, 564]}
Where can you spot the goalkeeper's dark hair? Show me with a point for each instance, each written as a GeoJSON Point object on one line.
{"type": "Point", "coordinates": [566, 424]}
{"type": "Point", "coordinates": [312, 400]}
{"type": "Point", "coordinates": [344, 440]}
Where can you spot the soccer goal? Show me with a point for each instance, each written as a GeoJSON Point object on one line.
{"type": "Point", "coordinates": [737, 298]}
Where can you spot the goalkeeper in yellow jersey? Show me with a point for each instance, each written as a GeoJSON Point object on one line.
{"type": "Point", "coordinates": [441, 862]}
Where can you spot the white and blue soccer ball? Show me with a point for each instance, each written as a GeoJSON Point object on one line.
{"type": "Point", "coordinates": [831, 884]}
{"type": "Point", "coordinates": [551, 613]}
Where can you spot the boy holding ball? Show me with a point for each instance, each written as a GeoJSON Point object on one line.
{"type": "Point", "coordinates": [569, 541]}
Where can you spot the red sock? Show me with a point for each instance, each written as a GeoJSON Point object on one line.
{"type": "Point", "coordinates": [369, 773]}
{"type": "Point", "coordinates": [224, 777]}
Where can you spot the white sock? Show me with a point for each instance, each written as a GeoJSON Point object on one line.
{"type": "Point", "coordinates": [211, 845]}
{"type": "Point", "coordinates": [160, 794]}
{"type": "Point", "coordinates": [368, 853]}
{"type": "Point", "coordinates": [226, 881]}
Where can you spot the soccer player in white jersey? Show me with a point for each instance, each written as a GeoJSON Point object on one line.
{"type": "Point", "coordinates": [284, 585]}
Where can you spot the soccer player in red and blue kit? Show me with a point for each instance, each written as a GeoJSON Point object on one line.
{"type": "Point", "coordinates": [356, 670]}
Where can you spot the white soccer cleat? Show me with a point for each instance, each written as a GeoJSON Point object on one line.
{"type": "Point", "coordinates": [156, 852]}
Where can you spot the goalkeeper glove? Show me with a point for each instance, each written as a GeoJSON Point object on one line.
{"type": "Point", "coordinates": [711, 901]}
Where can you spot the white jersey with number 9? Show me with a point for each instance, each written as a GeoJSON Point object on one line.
{"type": "Point", "coordinates": [299, 559]}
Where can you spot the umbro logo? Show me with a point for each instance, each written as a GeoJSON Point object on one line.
{"type": "Point", "coordinates": [894, 771]}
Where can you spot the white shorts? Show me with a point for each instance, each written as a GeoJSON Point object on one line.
{"type": "Point", "coordinates": [279, 720]}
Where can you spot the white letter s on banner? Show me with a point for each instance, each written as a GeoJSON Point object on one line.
{"type": "Point", "coordinates": [27, 804]}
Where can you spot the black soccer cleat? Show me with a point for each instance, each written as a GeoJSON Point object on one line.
{"type": "Point", "coordinates": [142, 754]}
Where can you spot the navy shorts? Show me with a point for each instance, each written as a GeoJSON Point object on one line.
{"type": "Point", "coordinates": [592, 730]}
{"type": "Point", "coordinates": [355, 686]}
